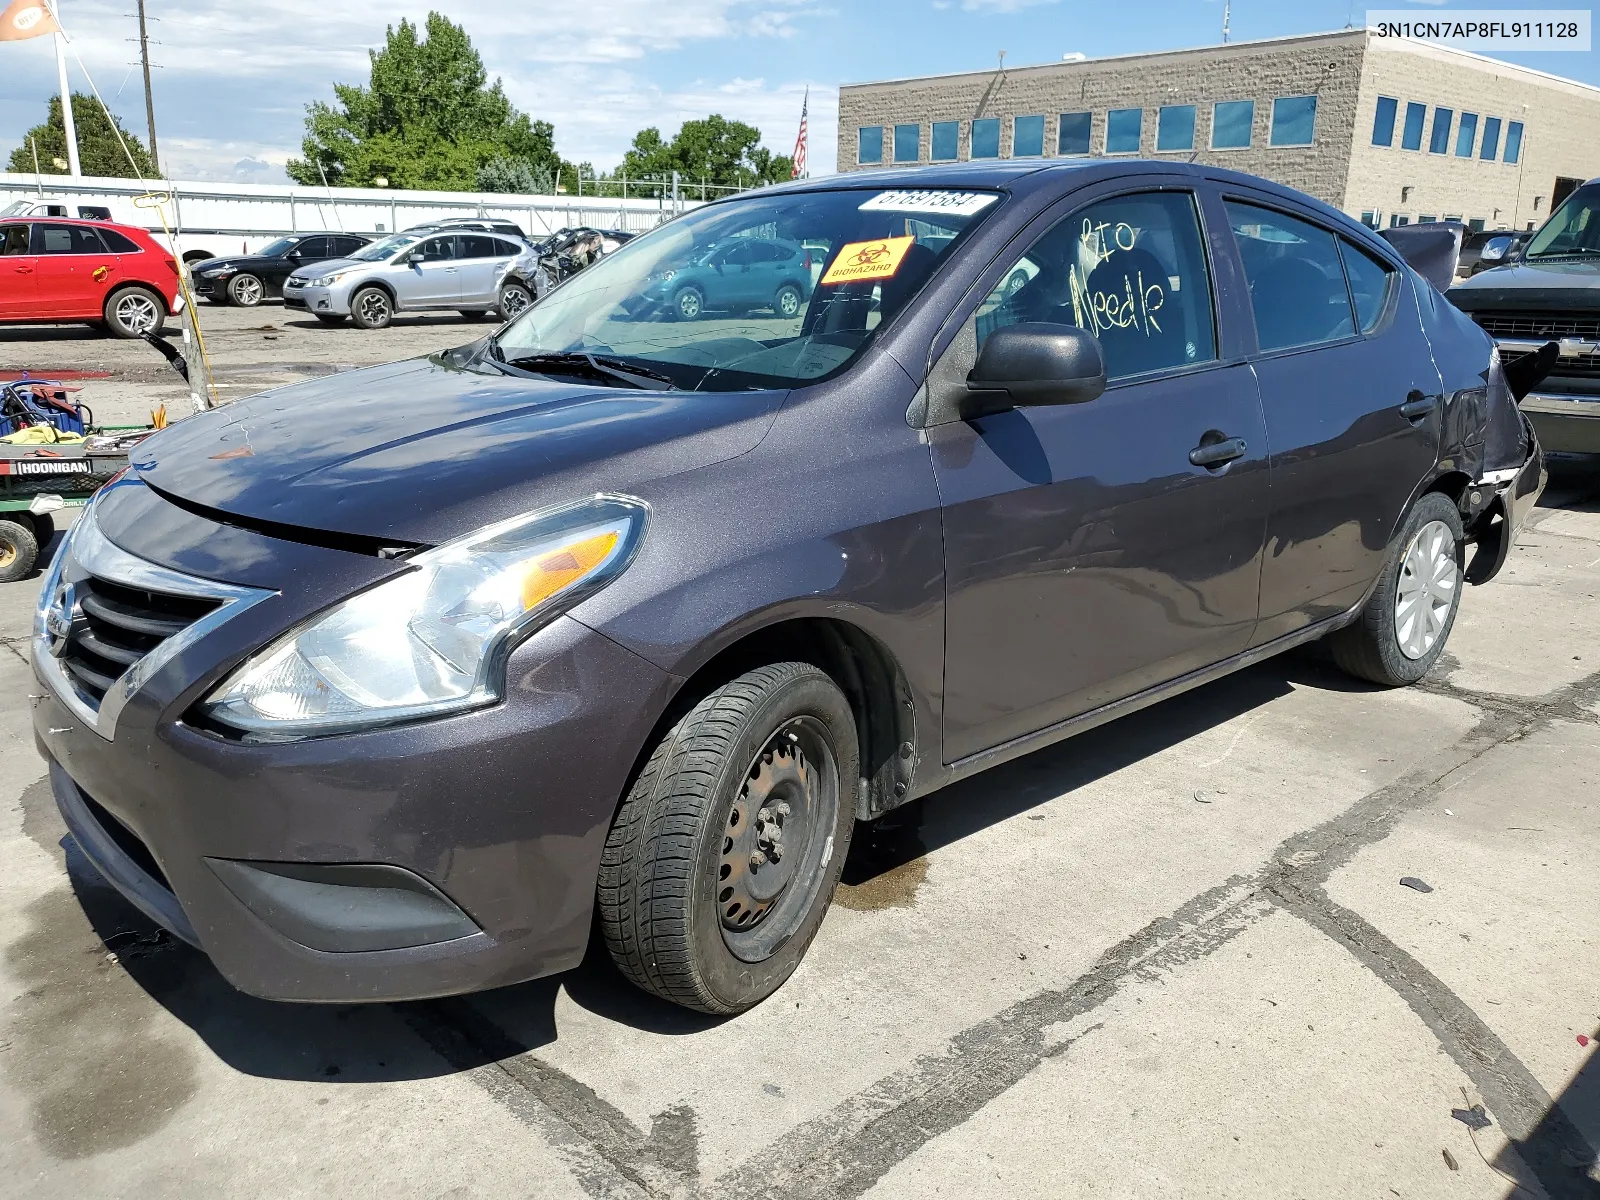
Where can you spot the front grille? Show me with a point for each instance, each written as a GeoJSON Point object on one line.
{"type": "Point", "coordinates": [114, 626]}
{"type": "Point", "coordinates": [1547, 326]}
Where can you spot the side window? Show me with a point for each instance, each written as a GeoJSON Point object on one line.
{"type": "Point", "coordinates": [504, 249]}
{"type": "Point", "coordinates": [346, 246]}
{"type": "Point", "coordinates": [1370, 281]}
{"type": "Point", "coordinates": [740, 254]}
{"type": "Point", "coordinates": [117, 243]}
{"type": "Point", "coordinates": [476, 245]}
{"type": "Point", "coordinates": [313, 249]}
{"type": "Point", "coordinates": [66, 239]}
{"type": "Point", "coordinates": [439, 249]}
{"type": "Point", "coordinates": [16, 239]}
{"type": "Point", "coordinates": [1297, 288]}
{"type": "Point", "coordinates": [1130, 270]}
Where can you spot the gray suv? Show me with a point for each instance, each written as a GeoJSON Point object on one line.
{"type": "Point", "coordinates": [404, 273]}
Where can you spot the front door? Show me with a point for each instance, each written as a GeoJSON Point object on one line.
{"type": "Point", "coordinates": [1096, 550]}
{"type": "Point", "coordinates": [1352, 402]}
{"type": "Point", "coordinates": [18, 273]}
{"type": "Point", "coordinates": [434, 282]}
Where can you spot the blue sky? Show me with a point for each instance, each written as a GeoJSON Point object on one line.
{"type": "Point", "coordinates": [235, 78]}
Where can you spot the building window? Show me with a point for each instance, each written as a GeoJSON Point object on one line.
{"type": "Point", "coordinates": [1027, 137]}
{"type": "Point", "coordinates": [986, 138]}
{"type": "Point", "coordinates": [869, 144]}
{"type": "Point", "coordinates": [1397, 219]}
{"type": "Point", "coordinates": [1294, 120]}
{"type": "Point", "coordinates": [907, 143]}
{"type": "Point", "coordinates": [1123, 129]}
{"type": "Point", "coordinates": [1411, 135]}
{"type": "Point", "coordinates": [1491, 139]}
{"type": "Point", "coordinates": [1466, 134]}
{"type": "Point", "coordinates": [946, 140]}
{"type": "Point", "coordinates": [1427, 220]}
{"type": "Point", "coordinates": [1175, 127]}
{"type": "Point", "coordinates": [1231, 122]}
{"type": "Point", "coordinates": [1439, 142]}
{"type": "Point", "coordinates": [1383, 122]}
{"type": "Point", "coordinates": [1072, 137]}
{"type": "Point", "coordinates": [1371, 218]}
{"type": "Point", "coordinates": [1513, 141]}
{"type": "Point", "coordinates": [1476, 224]}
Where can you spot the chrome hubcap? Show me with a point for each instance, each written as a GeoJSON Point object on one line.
{"type": "Point", "coordinates": [1430, 581]}
{"type": "Point", "coordinates": [788, 303]}
{"type": "Point", "coordinates": [136, 313]}
{"type": "Point", "coordinates": [247, 290]}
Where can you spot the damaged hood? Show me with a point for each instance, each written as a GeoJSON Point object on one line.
{"type": "Point", "coordinates": [424, 451]}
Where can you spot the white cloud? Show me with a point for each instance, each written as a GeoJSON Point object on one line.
{"type": "Point", "coordinates": [1001, 6]}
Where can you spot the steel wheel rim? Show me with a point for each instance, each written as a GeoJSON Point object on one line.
{"type": "Point", "coordinates": [772, 860]}
{"type": "Point", "coordinates": [8, 555]}
{"type": "Point", "coordinates": [515, 301]}
{"type": "Point", "coordinates": [136, 313]}
{"type": "Point", "coordinates": [689, 304]}
{"type": "Point", "coordinates": [788, 302]}
{"type": "Point", "coordinates": [247, 290]}
{"type": "Point", "coordinates": [374, 306]}
{"type": "Point", "coordinates": [1425, 595]}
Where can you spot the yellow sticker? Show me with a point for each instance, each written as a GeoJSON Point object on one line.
{"type": "Point", "coordinates": [868, 260]}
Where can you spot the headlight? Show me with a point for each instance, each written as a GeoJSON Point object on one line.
{"type": "Point", "coordinates": [435, 639]}
{"type": "Point", "coordinates": [214, 272]}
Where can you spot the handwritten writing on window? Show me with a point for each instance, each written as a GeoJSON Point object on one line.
{"type": "Point", "coordinates": [1132, 306]}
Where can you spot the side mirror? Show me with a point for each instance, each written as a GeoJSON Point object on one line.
{"type": "Point", "coordinates": [1495, 249]}
{"type": "Point", "coordinates": [1034, 363]}
{"type": "Point", "coordinates": [415, 258]}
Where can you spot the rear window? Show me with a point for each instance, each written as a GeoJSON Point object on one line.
{"type": "Point", "coordinates": [118, 244]}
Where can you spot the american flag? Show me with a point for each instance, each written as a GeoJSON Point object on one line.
{"type": "Point", "coordinates": [800, 142]}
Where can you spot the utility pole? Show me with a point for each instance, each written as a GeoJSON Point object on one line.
{"type": "Point", "coordinates": [149, 102]}
{"type": "Point", "coordinates": [67, 123]}
{"type": "Point", "coordinates": [1227, 20]}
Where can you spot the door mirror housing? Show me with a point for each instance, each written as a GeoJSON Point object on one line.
{"type": "Point", "coordinates": [1034, 363]}
{"type": "Point", "coordinates": [1495, 248]}
{"type": "Point", "coordinates": [415, 258]}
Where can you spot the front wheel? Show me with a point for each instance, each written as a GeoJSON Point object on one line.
{"type": "Point", "coordinates": [371, 308]}
{"type": "Point", "coordinates": [1403, 628]}
{"type": "Point", "coordinates": [246, 291]}
{"type": "Point", "coordinates": [19, 550]}
{"type": "Point", "coordinates": [689, 304]}
{"type": "Point", "coordinates": [514, 297]}
{"type": "Point", "coordinates": [723, 858]}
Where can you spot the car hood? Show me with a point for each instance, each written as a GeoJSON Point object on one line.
{"type": "Point", "coordinates": [312, 270]}
{"type": "Point", "coordinates": [1529, 282]}
{"type": "Point", "coordinates": [424, 451]}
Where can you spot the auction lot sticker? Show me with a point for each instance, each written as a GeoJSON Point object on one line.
{"type": "Point", "coordinates": [955, 204]}
{"type": "Point", "coordinates": [877, 259]}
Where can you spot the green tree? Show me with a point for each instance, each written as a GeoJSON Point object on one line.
{"type": "Point", "coordinates": [515, 176]}
{"type": "Point", "coordinates": [426, 119]}
{"type": "Point", "coordinates": [714, 150]}
{"type": "Point", "coordinates": [98, 151]}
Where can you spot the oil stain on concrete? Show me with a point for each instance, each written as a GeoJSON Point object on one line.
{"type": "Point", "coordinates": [886, 866]}
{"type": "Point", "coordinates": [86, 1047]}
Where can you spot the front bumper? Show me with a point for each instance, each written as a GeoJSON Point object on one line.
{"type": "Point", "coordinates": [327, 301]}
{"type": "Point", "coordinates": [1568, 423]}
{"type": "Point", "coordinates": [215, 288]}
{"type": "Point", "coordinates": [422, 860]}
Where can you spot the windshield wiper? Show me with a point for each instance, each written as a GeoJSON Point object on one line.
{"type": "Point", "coordinates": [594, 365]}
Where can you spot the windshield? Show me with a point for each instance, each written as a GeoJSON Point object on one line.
{"type": "Point", "coordinates": [385, 247]}
{"type": "Point", "coordinates": [17, 208]}
{"type": "Point", "coordinates": [764, 292]}
{"type": "Point", "coordinates": [281, 246]}
{"type": "Point", "coordinates": [1573, 229]}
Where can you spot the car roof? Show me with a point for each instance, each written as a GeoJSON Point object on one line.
{"type": "Point", "coordinates": [89, 221]}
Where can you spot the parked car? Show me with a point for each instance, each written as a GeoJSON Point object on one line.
{"type": "Point", "coordinates": [1551, 294]}
{"type": "Point", "coordinates": [472, 224]}
{"type": "Point", "coordinates": [115, 278]}
{"type": "Point", "coordinates": [552, 259]}
{"type": "Point", "coordinates": [248, 279]}
{"type": "Point", "coordinates": [407, 272]}
{"type": "Point", "coordinates": [55, 206]}
{"type": "Point", "coordinates": [734, 276]}
{"type": "Point", "coordinates": [390, 684]}
{"type": "Point", "coordinates": [1491, 248]}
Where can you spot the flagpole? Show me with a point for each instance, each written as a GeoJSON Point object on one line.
{"type": "Point", "coordinates": [66, 96]}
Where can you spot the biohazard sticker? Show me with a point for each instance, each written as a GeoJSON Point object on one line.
{"type": "Point", "coordinates": [868, 260]}
{"type": "Point", "coordinates": [951, 204]}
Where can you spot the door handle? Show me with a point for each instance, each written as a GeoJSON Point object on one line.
{"type": "Point", "coordinates": [1417, 405]}
{"type": "Point", "coordinates": [24, 270]}
{"type": "Point", "coordinates": [1215, 454]}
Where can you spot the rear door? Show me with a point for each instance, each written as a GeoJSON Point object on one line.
{"type": "Point", "coordinates": [483, 258]}
{"type": "Point", "coordinates": [19, 291]}
{"type": "Point", "coordinates": [435, 282]}
{"type": "Point", "coordinates": [74, 270]}
{"type": "Point", "coordinates": [1352, 404]}
{"type": "Point", "coordinates": [1096, 550]}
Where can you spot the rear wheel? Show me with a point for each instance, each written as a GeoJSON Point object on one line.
{"type": "Point", "coordinates": [721, 862]}
{"type": "Point", "coordinates": [371, 308]}
{"type": "Point", "coordinates": [131, 311]}
{"type": "Point", "coordinates": [246, 290]}
{"type": "Point", "coordinates": [19, 550]}
{"type": "Point", "coordinates": [788, 301]}
{"type": "Point", "coordinates": [1403, 628]}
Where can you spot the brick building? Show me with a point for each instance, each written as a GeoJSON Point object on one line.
{"type": "Point", "coordinates": [1389, 131]}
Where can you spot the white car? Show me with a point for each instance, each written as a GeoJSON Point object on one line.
{"type": "Point", "coordinates": [408, 272]}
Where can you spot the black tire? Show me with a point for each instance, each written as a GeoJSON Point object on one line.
{"type": "Point", "coordinates": [1374, 647]}
{"type": "Point", "coordinates": [19, 550]}
{"type": "Point", "coordinates": [246, 290]}
{"type": "Point", "coordinates": [135, 309]}
{"type": "Point", "coordinates": [331, 318]}
{"type": "Point", "coordinates": [788, 301]}
{"type": "Point", "coordinates": [514, 298]}
{"type": "Point", "coordinates": [371, 308]}
{"type": "Point", "coordinates": [679, 846]}
{"type": "Point", "coordinates": [689, 304]}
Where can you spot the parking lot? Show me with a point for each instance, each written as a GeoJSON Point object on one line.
{"type": "Point", "coordinates": [1172, 957]}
